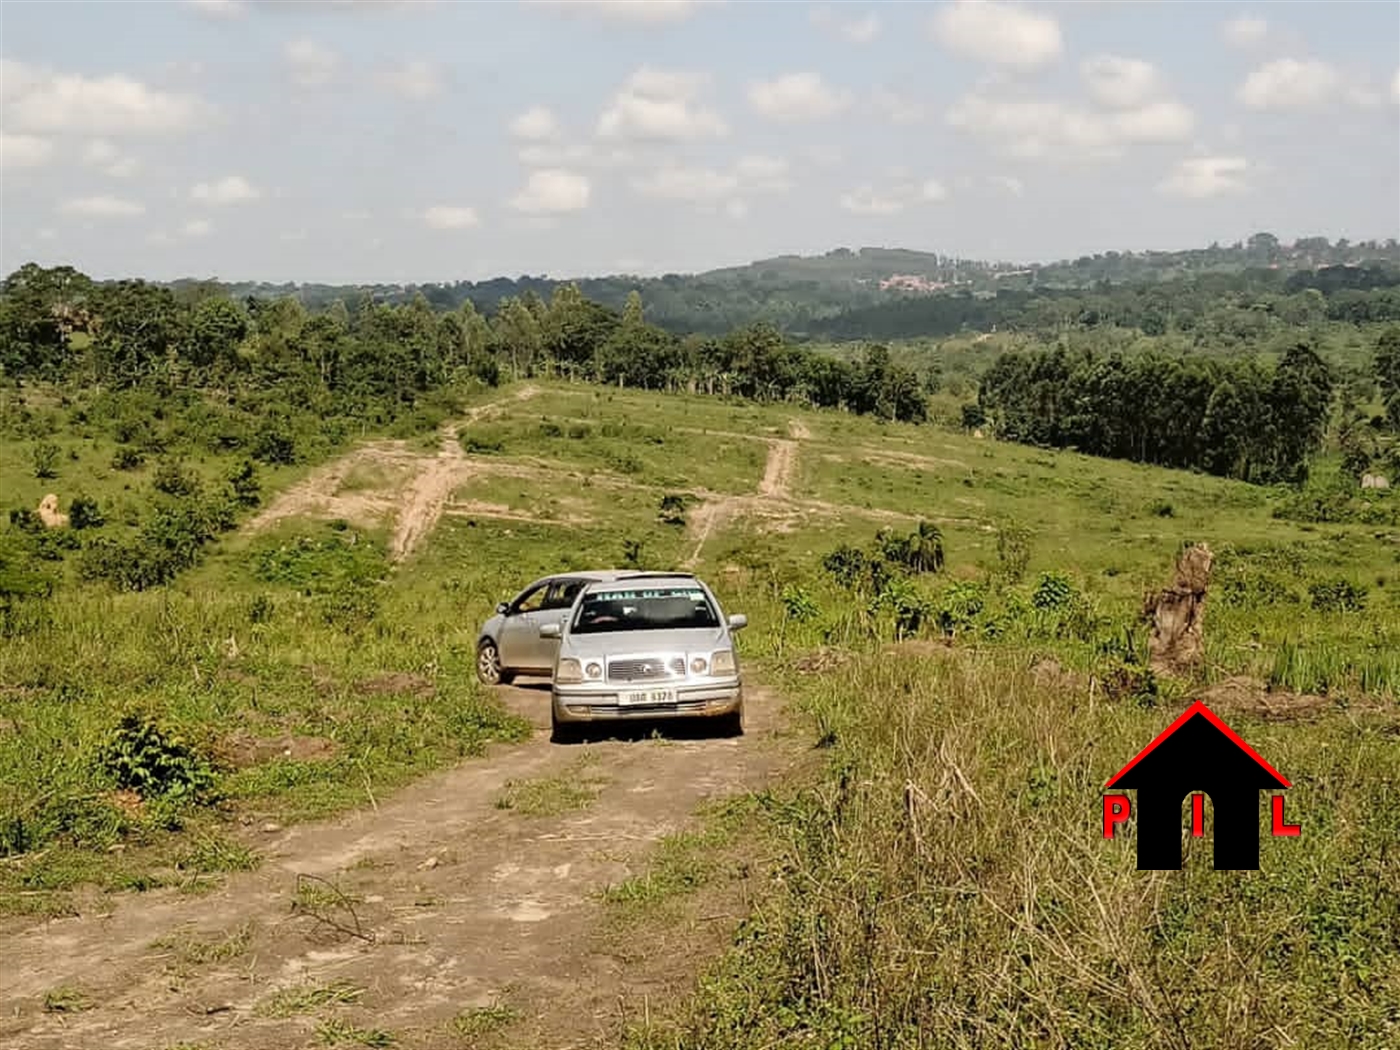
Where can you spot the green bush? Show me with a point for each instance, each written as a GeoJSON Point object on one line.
{"type": "Point", "coordinates": [127, 458]}
{"type": "Point", "coordinates": [173, 479]}
{"type": "Point", "coordinates": [1053, 592]}
{"type": "Point", "coordinates": [1337, 595]}
{"type": "Point", "coordinates": [275, 445]}
{"type": "Point", "coordinates": [84, 513]}
{"type": "Point", "coordinates": [243, 484]}
{"type": "Point", "coordinates": [45, 458]}
{"type": "Point", "coordinates": [141, 755]}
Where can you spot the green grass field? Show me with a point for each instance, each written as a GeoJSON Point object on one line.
{"type": "Point", "coordinates": [943, 883]}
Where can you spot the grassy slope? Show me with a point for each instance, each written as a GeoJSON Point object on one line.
{"type": "Point", "coordinates": [986, 925]}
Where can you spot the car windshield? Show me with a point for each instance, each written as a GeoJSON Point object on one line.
{"type": "Point", "coordinates": [645, 609]}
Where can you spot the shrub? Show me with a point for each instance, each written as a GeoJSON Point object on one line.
{"type": "Point", "coordinates": [275, 445]}
{"type": "Point", "coordinates": [45, 457]}
{"type": "Point", "coordinates": [960, 606]}
{"type": "Point", "coordinates": [1337, 595]}
{"type": "Point", "coordinates": [920, 551]}
{"type": "Point", "coordinates": [1013, 551]}
{"type": "Point", "coordinates": [1162, 509]}
{"type": "Point", "coordinates": [84, 513]}
{"type": "Point", "coordinates": [243, 484]}
{"type": "Point", "coordinates": [25, 520]}
{"type": "Point", "coordinates": [672, 509]}
{"type": "Point", "coordinates": [127, 458]}
{"type": "Point", "coordinates": [173, 479]}
{"type": "Point", "coordinates": [1053, 592]}
{"type": "Point", "coordinates": [141, 755]}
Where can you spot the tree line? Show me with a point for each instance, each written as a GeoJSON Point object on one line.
{"type": "Point", "coordinates": [1237, 418]}
{"type": "Point", "coordinates": [57, 324]}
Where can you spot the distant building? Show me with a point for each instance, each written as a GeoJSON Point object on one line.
{"type": "Point", "coordinates": [910, 282]}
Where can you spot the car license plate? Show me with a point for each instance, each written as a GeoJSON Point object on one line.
{"type": "Point", "coordinates": [648, 697]}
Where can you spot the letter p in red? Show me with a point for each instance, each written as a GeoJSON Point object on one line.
{"type": "Point", "coordinates": [1116, 810]}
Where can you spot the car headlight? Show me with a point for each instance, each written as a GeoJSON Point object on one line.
{"type": "Point", "coordinates": [594, 670]}
{"type": "Point", "coordinates": [698, 665]}
{"type": "Point", "coordinates": [722, 662]}
{"type": "Point", "coordinates": [567, 671]}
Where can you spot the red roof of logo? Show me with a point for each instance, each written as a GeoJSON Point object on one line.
{"type": "Point", "coordinates": [1191, 712]}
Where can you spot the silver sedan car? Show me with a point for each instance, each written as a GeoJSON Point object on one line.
{"type": "Point", "coordinates": [645, 646]}
{"type": "Point", "coordinates": [510, 644]}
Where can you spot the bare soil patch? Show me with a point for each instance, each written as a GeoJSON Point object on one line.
{"type": "Point", "coordinates": [1253, 697]}
{"type": "Point", "coordinates": [242, 749]}
{"type": "Point", "coordinates": [396, 682]}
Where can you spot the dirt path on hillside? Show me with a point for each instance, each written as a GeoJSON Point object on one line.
{"type": "Point", "coordinates": [415, 491]}
{"type": "Point", "coordinates": [457, 903]}
{"type": "Point", "coordinates": [777, 474]}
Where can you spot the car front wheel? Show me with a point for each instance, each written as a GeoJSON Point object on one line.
{"type": "Point", "coordinates": [488, 664]}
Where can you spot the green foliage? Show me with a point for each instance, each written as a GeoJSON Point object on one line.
{"type": "Point", "coordinates": [671, 510]}
{"type": "Point", "coordinates": [1337, 595]}
{"type": "Point", "coordinates": [174, 479]}
{"type": "Point", "coordinates": [798, 604]}
{"type": "Point", "coordinates": [84, 513]}
{"type": "Point", "coordinates": [127, 458]}
{"type": "Point", "coordinates": [1054, 592]}
{"type": "Point", "coordinates": [243, 484]}
{"type": "Point", "coordinates": [920, 551]}
{"type": "Point", "coordinates": [275, 444]}
{"type": "Point", "coordinates": [45, 459]}
{"type": "Point", "coordinates": [1013, 551]}
{"type": "Point", "coordinates": [960, 606]}
{"type": "Point", "coordinates": [142, 755]}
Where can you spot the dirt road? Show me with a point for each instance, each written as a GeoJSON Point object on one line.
{"type": "Point", "coordinates": [460, 904]}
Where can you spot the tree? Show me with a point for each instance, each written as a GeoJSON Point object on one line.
{"type": "Point", "coordinates": [1387, 370]}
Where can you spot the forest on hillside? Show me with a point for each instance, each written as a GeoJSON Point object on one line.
{"type": "Point", "coordinates": [1228, 409]}
{"type": "Point", "coordinates": [840, 294]}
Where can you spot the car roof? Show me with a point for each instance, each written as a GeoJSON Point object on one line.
{"type": "Point", "coordinates": [642, 578]}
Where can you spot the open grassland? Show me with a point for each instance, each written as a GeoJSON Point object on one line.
{"type": "Point", "coordinates": [939, 880]}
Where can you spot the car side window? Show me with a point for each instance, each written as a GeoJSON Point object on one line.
{"type": "Point", "coordinates": [531, 601]}
{"type": "Point", "coordinates": [562, 594]}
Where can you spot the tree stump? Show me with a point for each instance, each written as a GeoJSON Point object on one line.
{"type": "Point", "coordinates": [1177, 615]}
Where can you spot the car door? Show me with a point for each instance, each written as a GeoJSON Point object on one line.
{"type": "Point", "coordinates": [521, 646]}
{"type": "Point", "coordinates": [557, 603]}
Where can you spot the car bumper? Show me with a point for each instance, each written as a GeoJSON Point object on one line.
{"type": "Point", "coordinates": [602, 703]}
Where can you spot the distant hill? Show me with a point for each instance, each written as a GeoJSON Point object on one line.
{"type": "Point", "coordinates": [835, 293]}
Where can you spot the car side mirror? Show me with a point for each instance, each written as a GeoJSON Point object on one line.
{"type": "Point", "coordinates": [737, 621]}
{"type": "Point", "coordinates": [502, 608]}
{"type": "Point", "coordinates": [551, 630]}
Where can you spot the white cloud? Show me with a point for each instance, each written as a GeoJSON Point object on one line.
{"type": "Point", "coordinates": [763, 173]}
{"type": "Point", "coordinates": [219, 8]}
{"type": "Point", "coordinates": [1120, 83]}
{"type": "Point", "coordinates": [417, 80]}
{"type": "Point", "coordinates": [1201, 177]}
{"type": "Point", "coordinates": [1002, 34]}
{"type": "Point", "coordinates": [641, 12]}
{"type": "Point", "coordinates": [310, 64]}
{"type": "Point", "coordinates": [897, 108]}
{"type": "Point", "coordinates": [106, 157]}
{"type": "Point", "coordinates": [1008, 184]}
{"type": "Point", "coordinates": [660, 105]}
{"type": "Point", "coordinates": [231, 189]}
{"type": "Point", "coordinates": [1290, 83]}
{"type": "Point", "coordinates": [1037, 129]}
{"type": "Point", "coordinates": [860, 30]}
{"type": "Point", "coordinates": [101, 207]}
{"type": "Point", "coordinates": [41, 100]}
{"type": "Point", "coordinates": [197, 228]}
{"type": "Point", "coordinates": [677, 183]}
{"type": "Point", "coordinates": [450, 217]}
{"type": "Point", "coordinates": [868, 199]}
{"type": "Point", "coordinates": [23, 151]}
{"type": "Point", "coordinates": [536, 124]}
{"type": "Point", "coordinates": [796, 96]}
{"type": "Point", "coordinates": [551, 192]}
{"type": "Point", "coordinates": [933, 190]}
{"type": "Point", "coordinates": [1246, 30]}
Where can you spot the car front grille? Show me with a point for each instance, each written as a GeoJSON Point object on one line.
{"type": "Point", "coordinates": [646, 668]}
{"type": "Point", "coordinates": [679, 708]}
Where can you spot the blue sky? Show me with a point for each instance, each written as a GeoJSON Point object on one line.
{"type": "Point", "coordinates": [419, 141]}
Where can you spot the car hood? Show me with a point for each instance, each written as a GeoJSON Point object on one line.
{"type": "Point", "coordinates": [621, 643]}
